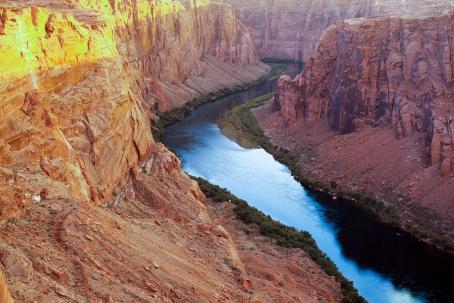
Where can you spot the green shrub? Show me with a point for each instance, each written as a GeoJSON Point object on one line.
{"type": "Point", "coordinates": [216, 193]}
{"type": "Point", "coordinates": [285, 236]}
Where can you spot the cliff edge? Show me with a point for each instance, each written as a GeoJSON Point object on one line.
{"type": "Point", "coordinates": [80, 81]}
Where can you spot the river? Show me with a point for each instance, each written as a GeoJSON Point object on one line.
{"type": "Point", "coordinates": [385, 264]}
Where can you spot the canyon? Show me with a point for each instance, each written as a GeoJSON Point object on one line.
{"type": "Point", "coordinates": [372, 111]}
{"type": "Point", "coordinates": [93, 209]}
{"type": "Point", "coordinates": [81, 82]}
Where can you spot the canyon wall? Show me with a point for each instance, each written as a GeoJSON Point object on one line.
{"type": "Point", "coordinates": [155, 242]}
{"type": "Point", "coordinates": [80, 81]}
{"type": "Point", "coordinates": [290, 29]}
{"type": "Point", "coordinates": [383, 72]}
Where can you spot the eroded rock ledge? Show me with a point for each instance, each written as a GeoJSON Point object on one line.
{"type": "Point", "coordinates": [158, 241]}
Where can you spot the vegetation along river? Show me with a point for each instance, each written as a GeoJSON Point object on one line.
{"type": "Point", "coordinates": [385, 264]}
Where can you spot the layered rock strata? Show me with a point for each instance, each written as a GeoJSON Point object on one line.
{"type": "Point", "coordinates": [290, 29]}
{"type": "Point", "coordinates": [382, 72]}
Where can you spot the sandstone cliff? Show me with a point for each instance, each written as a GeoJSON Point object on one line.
{"type": "Point", "coordinates": [290, 29]}
{"type": "Point", "coordinates": [80, 80]}
{"type": "Point", "coordinates": [383, 72]}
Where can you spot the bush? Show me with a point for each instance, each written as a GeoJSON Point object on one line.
{"type": "Point", "coordinates": [216, 193]}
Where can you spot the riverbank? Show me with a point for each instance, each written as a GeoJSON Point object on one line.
{"type": "Point", "coordinates": [281, 235]}
{"type": "Point", "coordinates": [242, 125]}
{"type": "Point", "coordinates": [167, 118]}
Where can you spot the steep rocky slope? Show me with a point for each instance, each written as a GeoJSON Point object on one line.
{"type": "Point", "coordinates": [91, 208]}
{"type": "Point", "coordinates": [387, 85]}
{"type": "Point", "coordinates": [290, 29]}
{"type": "Point", "coordinates": [156, 242]}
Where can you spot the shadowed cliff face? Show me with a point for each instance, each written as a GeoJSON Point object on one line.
{"type": "Point", "coordinates": [81, 79]}
{"type": "Point", "coordinates": [290, 29]}
{"type": "Point", "coordinates": [380, 71]}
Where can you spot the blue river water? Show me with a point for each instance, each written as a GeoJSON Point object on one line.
{"type": "Point", "coordinates": [384, 264]}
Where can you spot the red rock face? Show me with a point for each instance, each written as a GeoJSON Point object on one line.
{"type": "Point", "coordinates": [388, 72]}
{"type": "Point", "coordinates": [286, 97]}
{"type": "Point", "coordinates": [81, 80]}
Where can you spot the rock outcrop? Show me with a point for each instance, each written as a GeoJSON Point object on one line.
{"type": "Point", "coordinates": [290, 29]}
{"type": "Point", "coordinates": [154, 242]}
{"type": "Point", "coordinates": [383, 72]}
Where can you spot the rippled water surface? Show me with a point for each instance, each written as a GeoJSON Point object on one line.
{"type": "Point", "coordinates": [384, 264]}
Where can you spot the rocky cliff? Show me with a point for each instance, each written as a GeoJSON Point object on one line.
{"type": "Point", "coordinates": [372, 112]}
{"type": "Point", "coordinates": [290, 29]}
{"type": "Point", "coordinates": [383, 72]}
